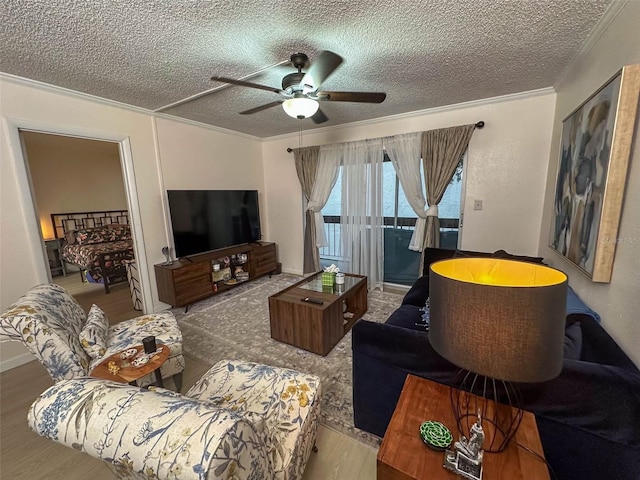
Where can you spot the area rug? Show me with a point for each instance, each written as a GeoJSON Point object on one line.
{"type": "Point", "coordinates": [235, 325]}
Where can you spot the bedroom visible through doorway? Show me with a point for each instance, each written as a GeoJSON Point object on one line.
{"type": "Point", "coordinates": [68, 175]}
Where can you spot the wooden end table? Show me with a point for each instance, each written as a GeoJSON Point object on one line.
{"type": "Point", "coordinates": [404, 456]}
{"type": "Point", "coordinates": [128, 373]}
{"type": "Point", "coordinates": [317, 327]}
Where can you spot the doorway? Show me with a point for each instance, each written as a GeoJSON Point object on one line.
{"type": "Point", "coordinates": [54, 170]}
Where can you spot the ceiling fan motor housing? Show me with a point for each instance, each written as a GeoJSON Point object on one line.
{"type": "Point", "coordinates": [291, 82]}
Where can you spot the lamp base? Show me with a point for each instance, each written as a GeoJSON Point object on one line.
{"type": "Point", "coordinates": [498, 404]}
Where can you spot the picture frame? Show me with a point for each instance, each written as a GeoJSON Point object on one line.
{"type": "Point", "coordinates": [595, 146]}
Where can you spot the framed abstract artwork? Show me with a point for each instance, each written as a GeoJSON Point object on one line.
{"type": "Point", "coordinates": [594, 157]}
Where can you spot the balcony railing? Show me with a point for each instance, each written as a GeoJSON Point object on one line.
{"type": "Point", "coordinates": [333, 251]}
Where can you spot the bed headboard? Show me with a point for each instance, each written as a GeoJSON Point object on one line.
{"type": "Point", "coordinates": [66, 222]}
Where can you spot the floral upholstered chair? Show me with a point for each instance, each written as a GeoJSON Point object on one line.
{"type": "Point", "coordinates": [239, 421]}
{"type": "Point", "coordinates": [70, 343]}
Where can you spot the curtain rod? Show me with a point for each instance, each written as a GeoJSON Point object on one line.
{"type": "Point", "coordinates": [480, 124]}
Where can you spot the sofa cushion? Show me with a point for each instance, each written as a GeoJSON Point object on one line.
{"type": "Point", "coordinates": [573, 341]}
{"type": "Point", "coordinates": [407, 316]}
{"type": "Point", "coordinates": [93, 335]}
{"type": "Point", "coordinates": [418, 293]}
{"type": "Point", "coordinates": [502, 254]}
{"type": "Point", "coordinates": [521, 258]}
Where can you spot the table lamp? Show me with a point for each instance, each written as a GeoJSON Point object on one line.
{"type": "Point", "coordinates": [500, 321]}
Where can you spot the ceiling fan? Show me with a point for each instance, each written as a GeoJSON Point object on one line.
{"type": "Point", "coordinates": [301, 90]}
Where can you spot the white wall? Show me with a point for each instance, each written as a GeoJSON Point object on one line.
{"type": "Point", "coordinates": [198, 158]}
{"type": "Point", "coordinates": [73, 175]}
{"type": "Point", "coordinates": [619, 301]}
{"type": "Point", "coordinates": [22, 261]}
{"type": "Point", "coordinates": [182, 157]}
{"type": "Point", "coordinates": [507, 169]}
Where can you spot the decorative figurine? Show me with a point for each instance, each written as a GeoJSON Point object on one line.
{"type": "Point", "coordinates": [466, 458]}
{"type": "Point", "coordinates": [167, 256]}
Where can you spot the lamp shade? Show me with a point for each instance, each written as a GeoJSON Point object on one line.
{"type": "Point", "coordinates": [502, 319]}
{"type": "Point", "coordinates": [300, 107]}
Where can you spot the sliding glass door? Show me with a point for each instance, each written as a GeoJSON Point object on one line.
{"type": "Point", "coordinates": [401, 265]}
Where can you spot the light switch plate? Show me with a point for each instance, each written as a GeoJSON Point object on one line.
{"type": "Point", "coordinates": [477, 204]}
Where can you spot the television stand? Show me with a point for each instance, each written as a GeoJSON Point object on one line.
{"type": "Point", "coordinates": [189, 279]}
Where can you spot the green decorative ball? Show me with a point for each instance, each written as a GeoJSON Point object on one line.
{"type": "Point", "coordinates": [435, 435]}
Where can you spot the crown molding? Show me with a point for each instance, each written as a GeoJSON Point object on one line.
{"type": "Point", "coordinates": [418, 113]}
{"type": "Point", "coordinates": [47, 87]}
{"type": "Point", "coordinates": [599, 29]}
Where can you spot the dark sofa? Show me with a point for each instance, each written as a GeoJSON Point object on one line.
{"type": "Point", "coordinates": [588, 417]}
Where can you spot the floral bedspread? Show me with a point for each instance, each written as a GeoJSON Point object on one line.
{"type": "Point", "coordinates": [88, 256]}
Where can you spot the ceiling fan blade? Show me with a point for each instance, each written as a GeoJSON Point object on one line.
{"type": "Point", "coordinates": [366, 97]}
{"type": "Point", "coordinates": [320, 69]}
{"type": "Point", "coordinates": [242, 83]}
{"type": "Point", "coordinates": [319, 117]}
{"type": "Point", "coordinates": [261, 107]}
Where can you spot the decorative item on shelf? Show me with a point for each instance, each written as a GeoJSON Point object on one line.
{"type": "Point", "coordinates": [329, 275]}
{"type": "Point", "coordinates": [217, 274]}
{"type": "Point", "coordinates": [167, 255]}
{"type": "Point", "coordinates": [500, 321]}
{"type": "Point", "coordinates": [466, 457]}
{"type": "Point", "coordinates": [113, 368]}
{"type": "Point", "coordinates": [149, 344]}
{"type": "Point", "coordinates": [226, 274]}
{"type": "Point", "coordinates": [242, 276]}
{"type": "Point", "coordinates": [436, 435]}
{"type": "Point", "coordinates": [242, 258]}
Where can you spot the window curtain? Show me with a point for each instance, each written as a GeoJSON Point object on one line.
{"type": "Point", "coordinates": [404, 152]}
{"type": "Point", "coordinates": [361, 221]}
{"type": "Point", "coordinates": [306, 161]}
{"type": "Point", "coordinates": [328, 161]}
{"type": "Point", "coordinates": [441, 152]}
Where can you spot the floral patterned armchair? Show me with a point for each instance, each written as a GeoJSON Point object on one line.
{"type": "Point", "coordinates": [70, 343]}
{"type": "Point", "coordinates": [239, 421]}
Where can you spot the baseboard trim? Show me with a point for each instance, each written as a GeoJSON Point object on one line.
{"type": "Point", "coordinates": [16, 361]}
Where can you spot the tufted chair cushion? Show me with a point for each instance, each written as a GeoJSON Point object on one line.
{"type": "Point", "coordinates": [163, 326]}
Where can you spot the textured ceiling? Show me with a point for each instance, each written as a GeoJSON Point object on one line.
{"type": "Point", "coordinates": [422, 54]}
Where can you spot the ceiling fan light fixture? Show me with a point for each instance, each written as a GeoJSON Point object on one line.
{"type": "Point", "coordinates": [300, 107]}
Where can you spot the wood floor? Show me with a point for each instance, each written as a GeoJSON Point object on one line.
{"type": "Point", "coordinates": [25, 455]}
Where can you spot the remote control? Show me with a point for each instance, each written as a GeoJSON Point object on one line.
{"type": "Point", "coordinates": [312, 300]}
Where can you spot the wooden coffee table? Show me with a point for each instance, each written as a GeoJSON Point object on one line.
{"type": "Point", "coordinates": [317, 327]}
{"type": "Point", "coordinates": [404, 456]}
{"type": "Point", "coordinates": [128, 373]}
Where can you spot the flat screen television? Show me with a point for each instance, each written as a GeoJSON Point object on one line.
{"type": "Point", "coordinates": [203, 220]}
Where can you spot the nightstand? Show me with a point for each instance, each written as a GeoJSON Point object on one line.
{"type": "Point", "coordinates": [56, 265]}
{"type": "Point", "coordinates": [404, 456]}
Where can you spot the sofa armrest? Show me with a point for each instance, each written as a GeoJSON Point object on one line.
{"type": "Point", "coordinates": [153, 434]}
{"type": "Point", "coordinates": [383, 355]}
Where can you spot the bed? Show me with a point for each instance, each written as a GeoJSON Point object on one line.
{"type": "Point", "coordinates": [99, 243]}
